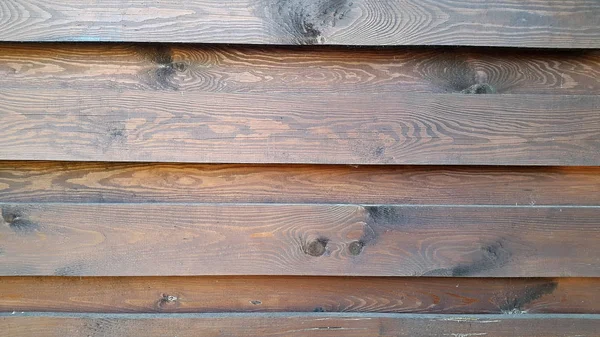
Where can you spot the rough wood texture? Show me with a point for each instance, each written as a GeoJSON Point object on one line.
{"type": "Point", "coordinates": [279, 239]}
{"type": "Point", "coordinates": [297, 69]}
{"type": "Point", "coordinates": [294, 324]}
{"type": "Point", "coordinates": [303, 128]}
{"type": "Point", "coordinates": [300, 294]}
{"type": "Point", "coordinates": [190, 183]}
{"type": "Point", "coordinates": [531, 23]}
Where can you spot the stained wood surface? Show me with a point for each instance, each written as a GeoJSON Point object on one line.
{"type": "Point", "coordinates": [190, 183]}
{"type": "Point", "coordinates": [174, 67]}
{"type": "Point", "coordinates": [294, 324]}
{"type": "Point", "coordinates": [280, 239]}
{"type": "Point", "coordinates": [531, 23]}
{"type": "Point", "coordinates": [300, 294]}
{"type": "Point", "coordinates": [305, 128]}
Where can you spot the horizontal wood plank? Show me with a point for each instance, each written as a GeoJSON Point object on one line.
{"type": "Point", "coordinates": [198, 183]}
{"type": "Point", "coordinates": [531, 23]}
{"type": "Point", "coordinates": [294, 324]}
{"type": "Point", "coordinates": [300, 294]}
{"type": "Point", "coordinates": [303, 128]}
{"type": "Point", "coordinates": [175, 67]}
{"type": "Point", "coordinates": [280, 239]}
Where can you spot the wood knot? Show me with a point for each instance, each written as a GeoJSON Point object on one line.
{"type": "Point", "coordinates": [179, 66]}
{"type": "Point", "coordinates": [317, 247]}
{"type": "Point", "coordinates": [305, 22]}
{"type": "Point", "coordinates": [167, 300]}
{"type": "Point", "coordinates": [479, 89]}
{"type": "Point", "coordinates": [255, 302]}
{"type": "Point", "coordinates": [17, 220]}
{"type": "Point", "coordinates": [355, 247]}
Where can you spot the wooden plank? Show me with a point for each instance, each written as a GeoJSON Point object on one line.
{"type": "Point", "coordinates": [304, 128]}
{"type": "Point", "coordinates": [284, 239]}
{"type": "Point", "coordinates": [298, 69]}
{"type": "Point", "coordinates": [300, 294]}
{"type": "Point", "coordinates": [531, 23]}
{"type": "Point", "coordinates": [294, 324]}
{"type": "Point", "coordinates": [28, 182]}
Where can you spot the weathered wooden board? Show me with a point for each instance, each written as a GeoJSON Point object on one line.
{"type": "Point", "coordinates": [300, 294]}
{"type": "Point", "coordinates": [280, 239]}
{"type": "Point", "coordinates": [298, 69]}
{"type": "Point", "coordinates": [295, 324]}
{"type": "Point", "coordinates": [193, 183]}
{"type": "Point", "coordinates": [303, 128]}
{"type": "Point", "coordinates": [531, 23]}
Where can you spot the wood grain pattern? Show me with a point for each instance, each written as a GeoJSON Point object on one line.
{"type": "Point", "coordinates": [191, 183]}
{"type": "Point", "coordinates": [175, 67]}
{"type": "Point", "coordinates": [294, 324]}
{"type": "Point", "coordinates": [279, 239]}
{"type": "Point", "coordinates": [300, 294]}
{"type": "Point", "coordinates": [303, 128]}
{"type": "Point", "coordinates": [531, 23]}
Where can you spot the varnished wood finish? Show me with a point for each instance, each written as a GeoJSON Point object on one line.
{"type": "Point", "coordinates": [303, 128]}
{"type": "Point", "coordinates": [265, 69]}
{"type": "Point", "coordinates": [300, 294]}
{"type": "Point", "coordinates": [280, 239]}
{"type": "Point", "coordinates": [189, 183]}
{"type": "Point", "coordinates": [295, 324]}
{"type": "Point", "coordinates": [147, 189]}
{"type": "Point", "coordinates": [531, 23]}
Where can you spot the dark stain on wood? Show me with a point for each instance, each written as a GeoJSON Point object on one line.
{"type": "Point", "coordinates": [162, 74]}
{"type": "Point", "coordinates": [70, 270]}
{"type": "Point", "coordinates": [115, 135]}
{"type": "Point", "coordinates": [306, 22]}
{"type": "Point", "coordinates": [515, 303]}
{"type": "Point", "coordinates": [494, 255]}
{"type": "Point", "coordinates": [316, 247]}
{"type": "Point", "coordinates": [379, 151]}
{"type": "Point", "coordinates": [17, 220]}
{"type": "Point", "coordinates": [383, 215]}
{"type": "Point", "coordinates": [377, 217]}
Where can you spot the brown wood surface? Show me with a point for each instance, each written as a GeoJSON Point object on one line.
{"type": "Point", "coordinates": [175, 67]}
{"type": "Point", "coordinates": [296, 324]}
{"type": "Point", "coordinates": [531, 23]}
{"type": "Point", "coordinates": [300, 294]}
{"type": "Point", "coordinates": [284, 239]}
{"type": "Point", "coordinates": [303, 128]}
{"type": "Point", "coordinates": [190, 183]}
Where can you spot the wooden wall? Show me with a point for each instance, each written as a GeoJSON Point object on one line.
{"type": "Point", "coordinates": [194, 169]}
